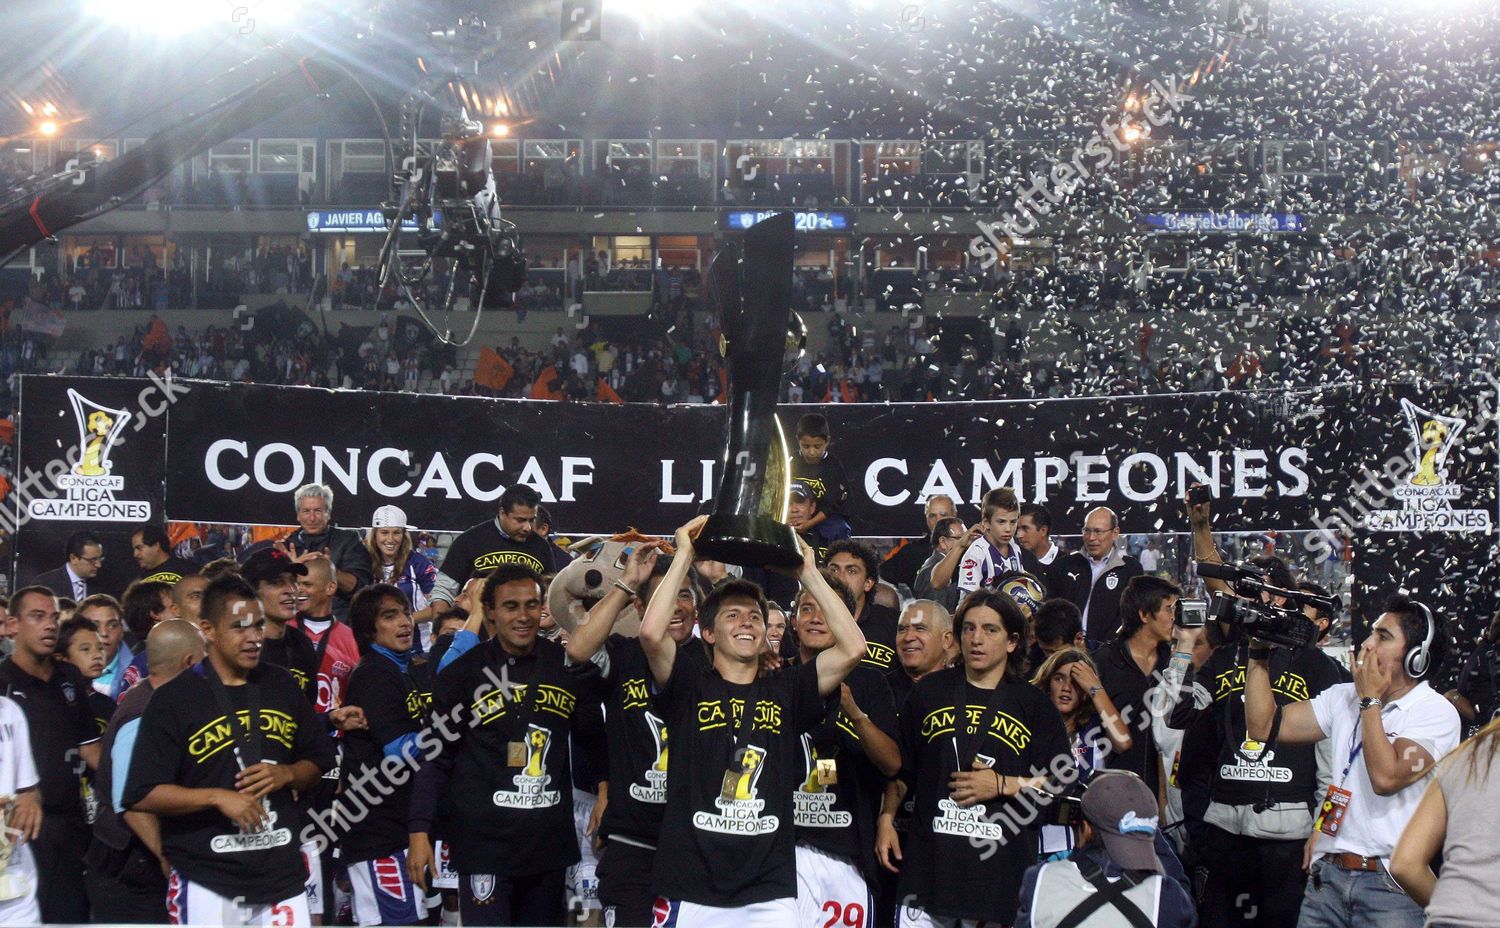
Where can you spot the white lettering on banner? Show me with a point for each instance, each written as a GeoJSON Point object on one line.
{"type": "Point", "coordinates": [531, 475]}
{"type": "Point", "coordinates": [708, 479]}
{"type": "Point", "coordinates": [299, 469]}
{"type": "Point", "coordinates": [227, 461]}
{"type": "Point", "coordinates": [1092, 469]}
{"type": "Point", "coordinates": [667, 496]}
{"type": "Point", "coordinates": [349, 477]}
{"type": "Point", "coordinates": [1141, 477]}
{"type": "Point", "coordinates": [466, 474]}
{"type": "Point", "coordinates": [373, 477]}
{"type": "Point", "coordinates": [872, 481]}
{"type": "Point", "coordinates": [211, 463]}
{"type": "Point", "coordinates": [575, 471]}
{"type": "Point", "coordinates": [1158, 476]}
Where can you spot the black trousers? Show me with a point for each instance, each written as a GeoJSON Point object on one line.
{"type": "Point", "coordinates": [625, 884]}
{"type": "Point", "coordinates": [62, 895]}
{"type": "Point", "coordinates": [535, 900]}
{"type": "Point", "coordinates": [118, 902]}
{"type": "Point", "coordinates": [1250, 881]}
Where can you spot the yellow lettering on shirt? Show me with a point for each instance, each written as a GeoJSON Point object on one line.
{"type": "Point", "coordinates": [635, 694]}
{"type": "Point", "coordinates": [1292, 686]}
{"type": "Point", "coordinates": [487, 562]}
{"type": "Point", "coordinates": [217, 735]}
{"type": "Point", "coordinates": [766, 717]}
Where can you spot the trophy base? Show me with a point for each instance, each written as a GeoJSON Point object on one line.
{"type": "Point", "coordinates": [749, 541]}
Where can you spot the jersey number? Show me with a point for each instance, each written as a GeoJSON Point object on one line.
{"type": "Point", "coordinates": [850, 916]}
{"type": "Point", "coordinates": [283, 916]}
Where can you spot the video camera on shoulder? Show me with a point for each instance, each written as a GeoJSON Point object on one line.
{"type": "Point", "coordinates": [1283, 625]}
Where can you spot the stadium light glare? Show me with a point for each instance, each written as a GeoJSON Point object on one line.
{"type": "Point", "coordinates": [162, 17]}
{"type": "Point", "coordinates": [650, 11]}
{"type": "Point", "coordinates": [47, 128]}
{"type": "Point", "coordinates": [500, 130]}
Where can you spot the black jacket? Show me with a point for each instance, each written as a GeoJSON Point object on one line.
{"type": "Point", "coordinates": [61, 584]}
{"type": "Point", "coordinates": [1072, 577]}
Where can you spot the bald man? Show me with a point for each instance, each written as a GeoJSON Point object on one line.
{"type": "Point", "coordinates": [187, 594]}
{"type": "Point", "coordinates": [125, 881]}
{"type": "Point", "coordinates": [1094, 578]}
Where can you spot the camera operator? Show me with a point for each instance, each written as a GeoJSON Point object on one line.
{"type": "Point", "coordinates": [1477, 695]}
{"type": "Point", "coordinates": [1387, 730]}
{"type": "Point", "coordinates": [1259, 797]}
{"type": "Point", "coordinates": [1116, 876]}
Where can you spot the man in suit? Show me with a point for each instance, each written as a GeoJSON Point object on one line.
{"type": "Point", "coordinates": [76, 578]}
{"type": "Point", "coordinates": [1094, 578]}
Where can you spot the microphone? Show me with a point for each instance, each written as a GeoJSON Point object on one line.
{"type": "Point", "coordinates": [1230, 573]}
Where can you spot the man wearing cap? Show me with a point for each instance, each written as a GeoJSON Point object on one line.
{"type": "Point", "coordinates": [317, 536]}
{"type": "Point", "coordinates": [1115, 878]}
{"type": "Point", "coordinates": [273, 574]}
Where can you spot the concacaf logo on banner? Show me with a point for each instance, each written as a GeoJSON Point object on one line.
{"type": "Point", "coordinates": [1427, 496]}
{"type": "Point", "coordinates": [89, 485]}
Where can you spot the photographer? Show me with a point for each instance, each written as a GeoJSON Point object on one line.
{"type": "Point", "coordinates": [1259, 796]}
{"type": "Point", "coordinates": [1116, 876]}
{"type": "Point", "coordinates": [1387, 729]}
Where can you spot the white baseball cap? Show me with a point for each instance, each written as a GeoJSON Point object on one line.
{"type": "Point", "coordinates": [388, 517]}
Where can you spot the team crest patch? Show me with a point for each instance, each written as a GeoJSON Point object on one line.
{"type": "Point", "coordinates": [482, 886]}
{"type": "Point", "coordinates": [1112, 581]}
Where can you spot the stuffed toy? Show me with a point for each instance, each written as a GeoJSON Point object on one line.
{"type": "Point", "coordinates": [597, 564]}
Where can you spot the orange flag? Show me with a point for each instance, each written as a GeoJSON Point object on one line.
{"type": "Point", "coordinates": [607, 393]}
{"type": "Point", "coordinates": [7, 431]}
{"type": "Point", "coordinates": [492, 370]}
{"type": "Point", "coordinates": [542, 389]}
{"type": "Point", "coordinates": [178, 532]}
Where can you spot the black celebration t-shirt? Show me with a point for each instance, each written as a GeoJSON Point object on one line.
{"type": "Point", "coordinates": [746, 740]}
{"type": "Point", "coordinates": [295, 653]}
{"type": "Point", "coordinates": [638, 747]}
{"type": "Point", "coordinates": [396, 702]}
{"type": "Point", "coordinates": [839, 817]}
{"type": "Point", "coordinates": [968, 862]}
{"type": "Point", "coordinates": [186, 739]}
{"type": "Point", "coordinates": [497, 818]}
{"type": "Point", "coordinates": [484, 547]}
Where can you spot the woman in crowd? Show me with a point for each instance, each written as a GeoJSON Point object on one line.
{"type": "Point", "coordinates": [1459, 816]}
{"type": "Point", "coordinates": [1095, 730]}
{"type": "Point", "coordinates": [399, 564]}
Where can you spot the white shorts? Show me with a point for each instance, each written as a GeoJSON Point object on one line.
{"type": "Point", "coordinates": [19, 884]}
{"type": "Point", "coordinates": [582, 878]}
{"type": "Point", "coordinates": [831, 891]}
{"type": "Point", "coordinates": [314, 864]}
{"type": "Point", "coordinates": [909, 916]}
{"type": "Point", "coordinates": [778, 913]}
{"type": "Point", "coordinates": [444, 876]}
{"type": "Point", "coordinates": [191, 904]}
{"type": "Point", "coordinates": [383, 892]}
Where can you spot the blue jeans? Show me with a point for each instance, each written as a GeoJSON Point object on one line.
{"type": "Point", "coordinates": [1339, 898]}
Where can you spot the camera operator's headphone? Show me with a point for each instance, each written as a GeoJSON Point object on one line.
{"type": "Point", "coordinates": [1419, 656]}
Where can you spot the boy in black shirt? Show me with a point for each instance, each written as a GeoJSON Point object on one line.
{"type": "Point", "coordinates": [968, 847]}
{"type": "Point", "coordinates": [637, 790]}
{"type": "Point", "coordinates": [846, 762]}
{"type": "Point", "coordinates": [823, 474]}
{"type": "Point", "coordinates": [220, 750]}
{"type": "Point", "coordinates": [726, 856]}
{"type": "Point", "coordinates": [395, 691]}
{"type": "Point", "coordinates": [501, 792]}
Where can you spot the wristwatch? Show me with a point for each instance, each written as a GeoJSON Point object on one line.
{"type": "Point", "coordinates": [1366, 702]}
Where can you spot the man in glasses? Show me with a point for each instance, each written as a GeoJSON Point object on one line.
{"type": "Point", "coordinates": [77, 578]}
{"type": "Point", "coordinates": [1094, 578]}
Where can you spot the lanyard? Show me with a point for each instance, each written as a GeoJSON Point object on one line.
{"type": "Point", "coordinates": [743, 726]}
{"type": "Point", "coordinates": [1356, 744]}
{"type": "Point", "coordinates": [247, 743]}
{"type": "Point", "coordinates": [991, 706]}
{"type": "Point", "coordinates": [529, 708]}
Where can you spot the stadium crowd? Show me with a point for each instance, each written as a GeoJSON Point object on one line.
{"type": "Point", "coordinates": [424, 738]}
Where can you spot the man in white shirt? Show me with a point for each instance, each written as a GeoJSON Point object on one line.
{"type": "Point", "coordinates": [1389, 729]}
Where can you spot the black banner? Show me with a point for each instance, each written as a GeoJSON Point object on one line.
{"type": "Point", "coordinates": [91, 455]}
{"type": "Point", "coordinates": [237, 452]}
